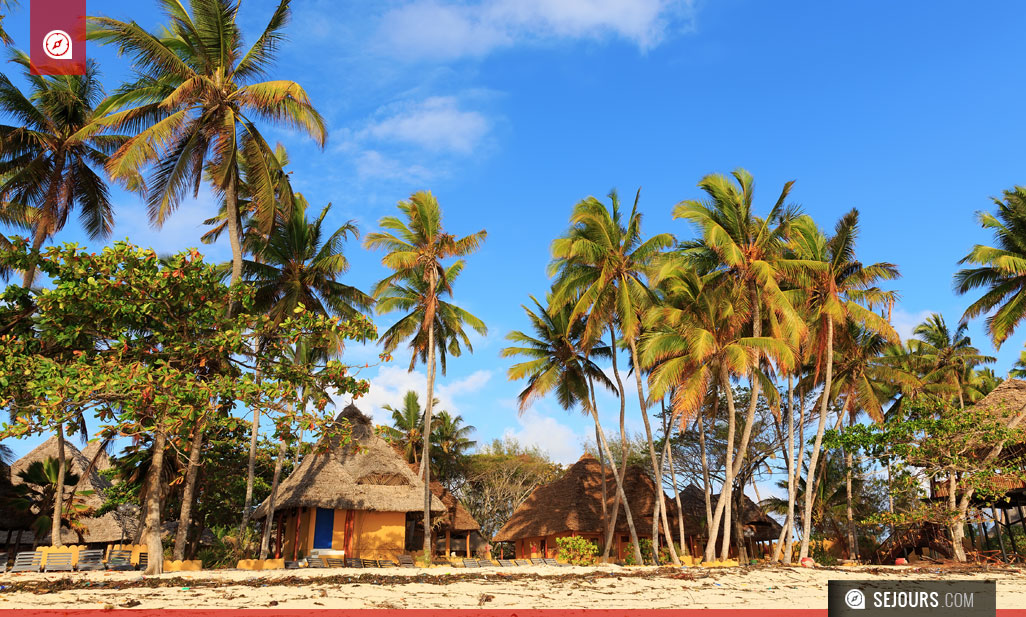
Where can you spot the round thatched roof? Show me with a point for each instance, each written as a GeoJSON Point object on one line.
{"type": "Point", "coordinates": [366, 474]}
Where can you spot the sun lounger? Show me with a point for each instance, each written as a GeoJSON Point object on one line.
{"type": "Point", "coordinates": [120, 560]}
{"type": "Point", "coordinates": [471, 563]}
{"type": "Point", "coordinates": [90, 560]}
{"type": "Point", "coordinates": [537, 561]}
{"type": "Point", "coordinates": [369, 563]}
{"type": "Point", "coordinates": [291, 565]}
{"type": "Point", "coordinates": [58, 562]}
{"type": "Point", "coordinates": [315, 562]}
{"type": "Point", "coordinates": [352, 562]}
{"type": "Point", "coordinates": [3, 562]}
{"type": "Point", "coordinates": [144, 561]}
{"type": "Point", "coordinates": [522, 562]}
{"type": "Point", "coordinates": [552, 562]}
{"type": "Point", "coordinates": [386, 563]}
{"type": "Point", "coordinates": [486, 563]}
{"type": "Point", "coordinates": [506, 563]}
{"type": "Point", "coordinates": [28, 561]}
{"type": "Point", "coordinates": [335, 562]}
{"type": "Point", "coordinates": [406, 561]}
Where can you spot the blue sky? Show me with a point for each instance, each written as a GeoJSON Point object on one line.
{"type": "Point", "coordinates": [513, 110]}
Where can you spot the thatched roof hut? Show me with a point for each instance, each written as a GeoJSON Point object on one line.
{"type": "Point", "coordinates": [573, 503]}
{"type": "Point", "coordinates": [103, 529]}
{"type": "Point", "coordinates": [365, 474]}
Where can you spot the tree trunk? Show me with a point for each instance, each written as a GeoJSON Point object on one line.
{"type": "Point", "coordinates": [425, 457]}
{"type": "Point", "coordinates": [265, 541]}
{"type": "Point", "coordinates": [676, 491]}
{"type": "Point", "coordinates": [602, 461]}
{"type": "Point", "coordinates": [37, 243]}
{"type": "Point", "coordinates": [58, 494]}
{"type": "Point", "coordinates": [154, 547]}
{"type": "Point", "coordinates": [957, 525]}
{"type": "Point", "coordinates": [714, 526]}
{"type": "Point", "coordinates": [615, 514]}
{"type": "Point", "coordinates": [619, 489]}
{"type": "Point", "coordinates": [247, 509]}
{"type": "Point", "coordinates": [656, 468]}
{"type": "Point", "coordinates": [814, 457]}
{"type": "Point", "coordinates": [853, 540]}
{"type": "Point", "coordinates": [188, 495]}
{"type": "Point", "coordinates": [234, 232]}
{"type": "Point", "coordinates": [707, 480]}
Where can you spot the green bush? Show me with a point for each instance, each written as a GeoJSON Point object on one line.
{"type": "Point", "coordinates": [576, 550]}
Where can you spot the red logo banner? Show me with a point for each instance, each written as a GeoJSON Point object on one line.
{"type": "Point", "coordinates": [58, 31]}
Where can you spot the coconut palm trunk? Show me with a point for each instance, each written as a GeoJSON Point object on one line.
{"type": "Point", "coordinates": [676, 489]}
{"type": "Point", "coordinates": [151, 524]}
{"type": "Point", "coordinates": [602, 462]}
{"type": "Point", "coordinates": [37, 243]}
{"type": "Point", "coordinates": [706, 476]}
{"type": "Point", "coordinates": [189, 492]}
{"type": "Point", "coordinates": [234, 233]}
{"type": "Point", "coordinates": [425, 457]}
{"type": "Point", "coordinates": [620, 493]}
{"type": "Point", "coordinates": [818, 444]}
{"type": "Point", "coordinates": [656, 467]}
{"type": "Point", "coordinates": [58, 495]}
{"type": "Point", "coordinates": [618, 500]}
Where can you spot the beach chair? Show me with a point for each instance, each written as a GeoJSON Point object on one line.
{"type": "Point", "coordinates": [144, 561]}
{"type": "Point", "coordinates": [58, 562]}
{"type": "Point", "coordinates": [28, 561]}
{"type": "Point", "coordinates": [352, 562]}
{"type": "Point", "coordinates": [315, 562]}
{"type": "Point", "coordinates": [471, 563]}
{"type": "Point", "coordinates": [120, 560]}
{"type": "Point", "coordinates": [485, 563]}
{"type": "Point", "coordinates": [291, 565]}
{"type": "Point", "coordinates": [90, 560]}
{"type": "Point", "coordinates": [406, 561]}
{"type": "Point", "coordinates": [552, 562]}
{"type": "Point", "coordinates": [335, 562]}
{"type": "Point", "coordinates": [522, 562]}
{"type": "Point", "coordinates": [537, 561]}
{"type": "Point", "coordinates": [3, 562]}
{"type": "Point", "coordinates": [369, 563]}
{"type": "Point", "coordinates": [506, 563]}
{"type": "Point", "coordinates": [386, 563]}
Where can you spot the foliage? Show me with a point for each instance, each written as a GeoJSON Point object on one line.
{"type": "Point", "coordinates": [36, 494]}
{"type": "Point", "coordinates": [576, 550]}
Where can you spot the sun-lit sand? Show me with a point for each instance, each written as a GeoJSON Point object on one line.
{"type": "Point", "coordinates": [527, 587]}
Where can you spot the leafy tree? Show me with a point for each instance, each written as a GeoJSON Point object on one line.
{"type": "Point", "coordinates": [194, 108]}
{"type": "Point", "coordinates": [37, 493]}
{"type": "Point", "coordinates": [949, 355]}
{"type": "Point", "coordinates": [415, 251]}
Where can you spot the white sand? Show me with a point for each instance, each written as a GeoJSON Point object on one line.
{"type": "Point", "coordinates": [526, 587]}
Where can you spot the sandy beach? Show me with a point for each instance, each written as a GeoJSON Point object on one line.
{"type": "Point", "coordinates": [527, 587]}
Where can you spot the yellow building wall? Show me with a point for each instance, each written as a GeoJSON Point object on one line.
{"type": "Point", "coordinates": [375, 535]}
{"type": "Point", "coordinates": [306, 532]}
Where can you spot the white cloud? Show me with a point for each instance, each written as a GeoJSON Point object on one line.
{"type": "Point", "coordinates": [390, 384]}
{"type": "Point", "coordinates": [182, 229]}
{"type": "Point", "coordinates": [373, 165]}
{"type": "Point", "coordinates": [558, 440]}
{"type": "Point", "coordinates": [436, 124]}
{"type": "Point", "coordinates": [905, 322]}
{"type": "Point", "coordinates": [439, 30]}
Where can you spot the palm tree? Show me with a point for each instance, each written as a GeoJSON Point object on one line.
{"type": "Point", "coordinates": [601, 264]}
{"type": "Point", "coordinates": [556, 360]}
{"type": "Point", "coordinates": [41, 488]}
{"type": "Point", "coordinates": [949, 354]}
{"type": "Point", "coordinates": [415, 251]}
{"type": "Point", "coordinates": [6, 5]}
{"type": "Point", "coordinates": [407, 422]}
{"type": "Point", "coordinates": [194, 108]}
{"type": "Point", "coordinates": [49, 161]}
{"type": "Point", "coordinates": [749, 249]}
{"type": "Point", "coordinates": [838, 289]}
{"type": "Point", "coordinates": [450, 443]}
{"type": "Point", "coordinates": [299, 266]}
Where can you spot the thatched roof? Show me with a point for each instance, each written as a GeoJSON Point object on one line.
{"type": "Point", "coordinates": [98, 529]}
{"type": "Point", "coordinates": [1005, 401]}
{"type": "Point", "coordinates": [457, 518]}
{"type": "Point", "coordinates": [366, 474]}
{"type": "Point", "coordinates": [765, 527]}
{"type": "Point", "coordinates": [574, 503]}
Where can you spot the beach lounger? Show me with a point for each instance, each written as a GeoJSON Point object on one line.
{"type": "Point", "coordinates": [552, 562]}
{"type": "Point", "coordinates": [485, 563]}
{"type": "Point", "coordinates": [90, 560]}
{"type": "Point", "coordinates": [28, 561]}
{"type": "Point", "coordinates": [406, 561]}
{"type": "Point", "coordinates": [144, 561]}
{"type": "Point", "coordinates": [335, 562]}
{"type": "Point", "coordinates": [506, 563]}
{"type": "Point", "coordinates": [386, 563]}
{"type": "Point", "coordinates": [315, 562]}
{"type": "Point", "coordinates": [120, 560]}
{"type": "Point", "coordinates": [352, 562]}
{"type": "Point", "coordinates": [522, 562]}
{"type": "Point", "coordinates": [3, 562]}
{"type": "Point", "coordinates": [58, 562]}
{"type": "Point", "coordinates": [291, 565]}
{"type": "Point", "coordinates": [471, 563]}
{"type": "Point", "coordinates": [369, 563]}
{"type": "Point", "coordinates": [537, 561]}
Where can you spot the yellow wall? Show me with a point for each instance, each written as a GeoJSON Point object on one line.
{"type": "Point", "coordinates": [306, 531]}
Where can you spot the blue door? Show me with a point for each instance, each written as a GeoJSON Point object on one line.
{"type": "Point", "coordinates": [324, 526]}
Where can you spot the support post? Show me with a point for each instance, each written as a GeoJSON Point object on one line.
{"type": "Point", "coordinates": [997, 529]}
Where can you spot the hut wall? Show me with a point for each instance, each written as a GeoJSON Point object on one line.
{"type": "Point", "coordinates": [379, 535]}
{"type": "Point", "coordinates": [306, 530]}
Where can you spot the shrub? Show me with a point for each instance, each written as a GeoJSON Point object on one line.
{"type": "Point", "coordinates": [577, 550]}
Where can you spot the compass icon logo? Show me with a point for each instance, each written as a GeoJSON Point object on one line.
{"type": "Point", "coordinates": [57, 45]}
